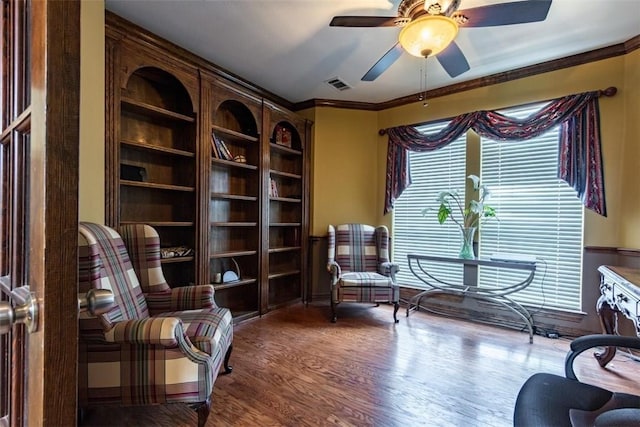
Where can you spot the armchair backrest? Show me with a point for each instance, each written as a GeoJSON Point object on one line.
{"type": "Point", "coordinates": [358, 247]}
{"type": "Point", "coordinates": [143, 246]}
{"type": "Point", "coordinates": [104, 264]}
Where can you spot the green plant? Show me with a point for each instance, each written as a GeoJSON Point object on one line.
{"type": "Point", "coordinates": [452, 206]}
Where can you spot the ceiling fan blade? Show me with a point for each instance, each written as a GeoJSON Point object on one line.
{"type": "Point", "coordinates": [519, 12]}
{"type": "Point", "coordinates": [383, 63]}
{"type": "Point", "coordinates": [452, 60]}
{"type": "Point", "coordinates": [363, 21]}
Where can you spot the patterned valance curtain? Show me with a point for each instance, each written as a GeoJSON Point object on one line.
{"type": "Point", "coordinates": [579, 159]}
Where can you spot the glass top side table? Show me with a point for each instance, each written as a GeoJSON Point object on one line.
{"type": "Point", "coordinates": [422, 268]}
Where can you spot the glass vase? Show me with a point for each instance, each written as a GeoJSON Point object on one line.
{"type": "Point", "coordinates": [466, 248]}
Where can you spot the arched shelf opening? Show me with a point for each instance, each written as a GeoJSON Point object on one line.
{"type": "Point", "coordinates": [235, 116]}
{"type": "Point", "coordinates": [159, 88]}
{"type": "Point", "coordinates": [157, 159]}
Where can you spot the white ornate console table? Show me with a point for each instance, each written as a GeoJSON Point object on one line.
{"type": "Point", "coordinates": [620, 293]}
{"type": "Point", "coordinates": [419, 266]}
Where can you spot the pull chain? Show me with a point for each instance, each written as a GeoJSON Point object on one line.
{"type": "Point", "coordinates": [424, 101]}
{"type": "Point", "coordinates": [423, 84]}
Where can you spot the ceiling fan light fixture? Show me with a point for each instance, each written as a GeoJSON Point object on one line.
{"type": "Point", "coordinates": [428, 35]}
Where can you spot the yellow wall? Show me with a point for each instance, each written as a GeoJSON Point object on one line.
{"type": "Point", "coordinates": [92, 101]}
{"type": "Point", "coordinates": [630, 211]}
{"type": "Point", "coordinates": [619, 125]}
{"type": "Point", "coordinates": [345, 168]}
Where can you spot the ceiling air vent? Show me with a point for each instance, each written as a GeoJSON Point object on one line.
{"type": "Point", "coordinates": [338, 83]}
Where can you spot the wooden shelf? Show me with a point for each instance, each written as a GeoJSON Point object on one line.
{"type": "Point", "coordinates": [234, 224]}
{"type": "Point", "coordinates": [231, 163]}
{"type": "Point", "coordinates": [176, 259]}
{"type": "Point", "coordinates": [155, 186]}
{"type": "Point", "coordinates": [284, 224]}
{"type": "Point", "coordinates": [283, 274]}
{"type": "Point", "coordinates": [231, 254]}
{"type": "Point", "coordinates": [285, 174]}
{"type": "Point", "coordinates": [162, 223]}
{"type": "Point", "coordinates": [284, 249]}
{"type": "Point", "coordinates": [143, 146]}
{"type": "Point", "coordinates": [283, 149]}
{"type": "Point", "coordinates": [226, 196]}
{"type": "Point", "coordinates": [234, 284]}
{"type": "Point", "coordinates": [285, 199]}
{"type": "Point", "coordinates": [133, 105]}
{"type": "Point", "coordinates": [237, 135]}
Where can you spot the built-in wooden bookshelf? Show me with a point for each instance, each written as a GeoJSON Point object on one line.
{"type": "Point", "coordinates": [286, 223]}
{"type": "Point", "coordinates": [194, 153]}
{"type": "Point", "coordinates": [235, 200]}
{"type": "Point", "coordinates": [154, 166]}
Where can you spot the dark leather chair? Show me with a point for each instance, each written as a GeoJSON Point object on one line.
{"type": "Point", "coordinates": [552, 400]}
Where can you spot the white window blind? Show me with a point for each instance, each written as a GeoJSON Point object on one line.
{"type": "Point", "coordinates": [431, 173]}
{"type": "Point", "coordinates": [538, 215]}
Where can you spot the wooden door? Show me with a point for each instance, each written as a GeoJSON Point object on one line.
{"type": "Point", "coordinates": [39, 96]}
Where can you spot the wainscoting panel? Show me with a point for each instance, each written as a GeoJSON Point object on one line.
{"type": "Point", "coordinates": [319, 289]}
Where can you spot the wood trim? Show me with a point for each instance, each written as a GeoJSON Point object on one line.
{"type": "Point", "coordinates": [628, 252]}
{"type": "Point", "coordinates": [203, 165]}
{"type": "Point", "coordinates": [312, 103]}
{"type": "Point", "coordinates": [519, 73]}
{"type": "Point", "coordinates": [53, 262]}
{"type": "Point", "coordinates": [600, 249]}
{"type": "Point", "coordinates": [632, 252]}
{"type": "Point", "coordinates": [632, 44]}
{"type": "Point", "coordinates": [112, 145]}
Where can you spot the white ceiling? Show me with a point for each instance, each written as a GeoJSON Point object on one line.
{"type": "Point", "coordinates": [288, 48]}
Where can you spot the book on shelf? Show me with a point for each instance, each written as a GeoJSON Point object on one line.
{"type": "Point", "coordinates": [225, 150]}
{"type": "Point", "coordinates": [214, 146]}
{"type": "Point", "coordinates": [273, 188]}
{"type": "Point", "coordinates": [221, 148]}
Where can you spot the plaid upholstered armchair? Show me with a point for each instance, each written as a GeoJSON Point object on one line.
{"type": "Point", "coordinates": [156, 345]}
{"type": "Point", "coordinates": [358, 262]}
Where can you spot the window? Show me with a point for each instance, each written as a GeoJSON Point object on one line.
{"type": "Point", "coordinates": [538, 215]}
{"type": "Point", "coordinates": [431, 173]}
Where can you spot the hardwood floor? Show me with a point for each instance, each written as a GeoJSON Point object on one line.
{"type": "Point", "coordinates": [292, 367]}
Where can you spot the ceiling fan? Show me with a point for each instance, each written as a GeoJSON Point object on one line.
{"type": "Point", "coordinates": [445, 16]}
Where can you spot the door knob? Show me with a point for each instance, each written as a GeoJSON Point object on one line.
{"type": "Point", "coordinates": [96, 301]}
{"type": "Point", "coordinates": [26, 313]}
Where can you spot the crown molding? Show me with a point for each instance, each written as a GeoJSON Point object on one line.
{"type": "Point", "coordinates": [519, 73]}
{"type": "Point", "coordinates": [354, 105]}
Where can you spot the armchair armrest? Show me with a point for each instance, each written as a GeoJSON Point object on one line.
{"type": "Point", "coordinates": [334, 269]}
{"type": "Point", "coordinates": [389, 269]}
{"type": "Point", "coordinates": [182, 298]}
{"type": "Point", "coordinates": [586, 342]}
{"type": "Point", "coordinates": [151, 331]}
